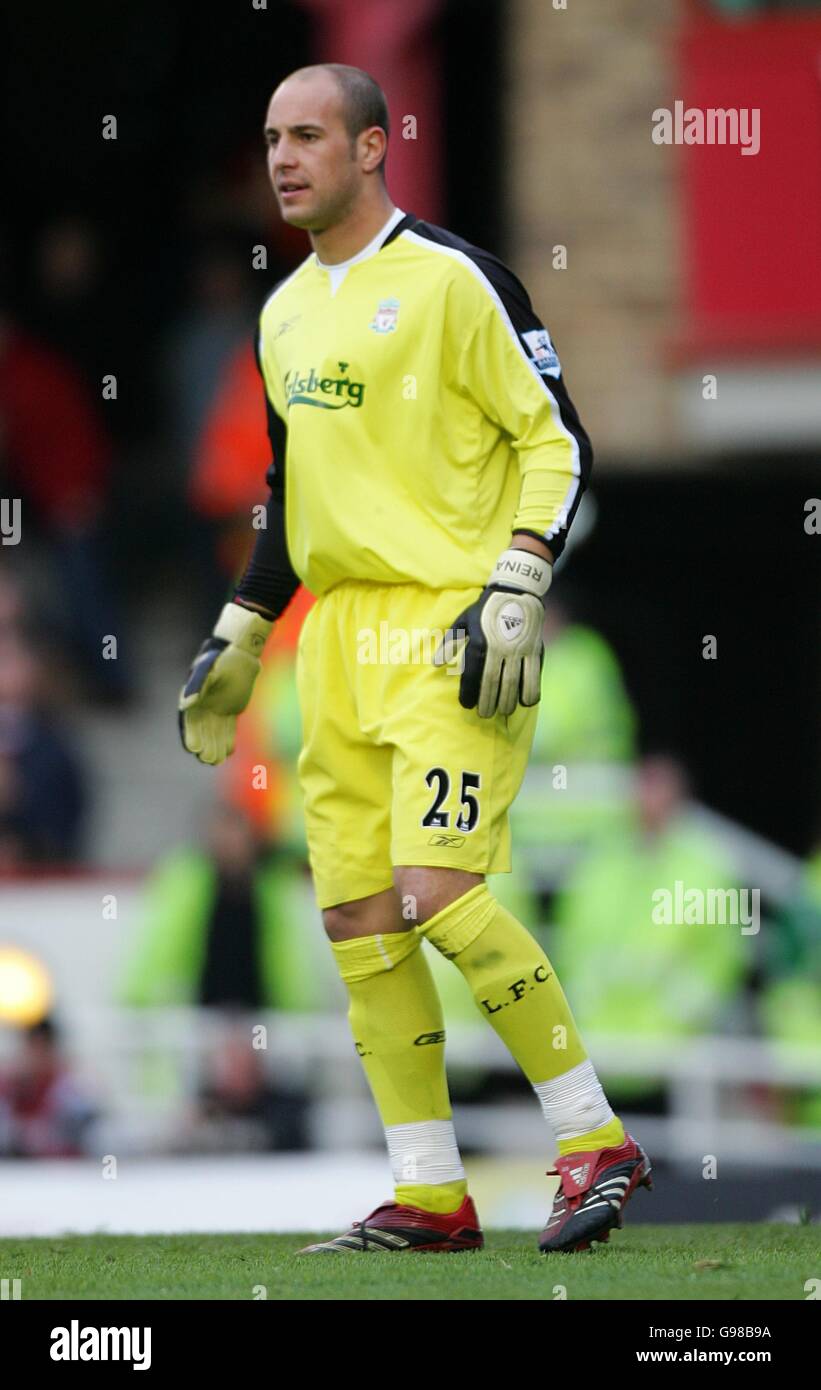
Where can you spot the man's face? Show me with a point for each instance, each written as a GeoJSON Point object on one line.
{"type": "Point", "coordinates": [315, 177]}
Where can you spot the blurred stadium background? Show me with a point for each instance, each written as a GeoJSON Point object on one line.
{"type": "Point", "coordinates": [170, 1012]}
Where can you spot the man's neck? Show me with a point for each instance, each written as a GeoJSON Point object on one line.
{"type": "Point", "coordinates": [348, 238]}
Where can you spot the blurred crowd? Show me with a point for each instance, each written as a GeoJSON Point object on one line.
{"type": "Point", "coordinates": [123, 463]}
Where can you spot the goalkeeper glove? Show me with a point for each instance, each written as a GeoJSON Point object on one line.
{"type": "Point", "coordinates": [499, 637]}
{"type": "Point", "coordinates": [220, 682]}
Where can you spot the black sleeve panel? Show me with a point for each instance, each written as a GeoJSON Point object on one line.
{"type": "Point", "coordinates": [525, 321]}
{"type": "Point", "coordinates": [524, 318]}
{"type": "Point", "coordinates": [269, 579]}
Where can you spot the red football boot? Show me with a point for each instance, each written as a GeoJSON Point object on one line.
{"type": "Point", "coordinates": [593, 1191]}
{"type": "Point", "coordinates": [393, 1227]}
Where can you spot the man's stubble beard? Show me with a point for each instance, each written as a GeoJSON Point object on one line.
{"type": "Point", "coordinates": [332, 212]}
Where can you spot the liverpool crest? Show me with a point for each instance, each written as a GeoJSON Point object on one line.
{"type": "Point", "coordinates": [384, 320]}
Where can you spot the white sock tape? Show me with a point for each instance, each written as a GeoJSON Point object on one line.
{"type": "Point", "coordinates": [424, 1152]}
{"type": "Point", "coordinates": [574, 1102]}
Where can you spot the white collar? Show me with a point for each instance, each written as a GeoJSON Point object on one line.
{"type": "Point", "coordinates": [367, 250]}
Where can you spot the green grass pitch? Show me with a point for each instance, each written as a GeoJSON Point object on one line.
{"type": "Point", "coordinates": [710, 1262]}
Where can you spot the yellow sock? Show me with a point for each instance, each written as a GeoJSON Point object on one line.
{"type": "Point", "coordinates": [398, 1027]}
{"type": "Point", "coordinates": [607, 1136]}
{"type": "Point", "coordinates": [512, 981]}
{"type": "Point", "coordinates": [444, 1197]}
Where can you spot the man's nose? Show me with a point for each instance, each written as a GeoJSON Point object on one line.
{"type": "Point", "coordinates": [284, 155]}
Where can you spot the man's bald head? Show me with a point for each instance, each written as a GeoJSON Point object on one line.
{"type": "Point", "coordinates": [363, 103]}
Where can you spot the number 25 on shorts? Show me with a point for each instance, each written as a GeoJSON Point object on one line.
{"type": "Point", "coordinates": [468, 817]}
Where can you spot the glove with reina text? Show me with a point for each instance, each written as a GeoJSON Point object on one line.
{"type": "Point", "coordinates": [220, 682]}
{"type": "Point", "coordinates": [498, 638]}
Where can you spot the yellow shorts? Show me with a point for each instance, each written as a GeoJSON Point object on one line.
{"type": "Point", "coordinates": [393, 770]}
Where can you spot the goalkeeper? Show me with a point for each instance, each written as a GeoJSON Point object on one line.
{"type": "Point", "coordinates": [427, 464]}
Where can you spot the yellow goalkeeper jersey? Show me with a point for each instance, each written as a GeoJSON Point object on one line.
{"type": "Point", "coordinates": [417, 412]}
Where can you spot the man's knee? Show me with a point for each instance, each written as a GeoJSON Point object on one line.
{"type": "Point", "coordinates": [426, 889]}
{"type": "Point", "coordinates": [370, 916]}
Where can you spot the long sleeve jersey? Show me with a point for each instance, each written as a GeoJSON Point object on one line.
{"type": "Point", "coordinates": [417, 415]}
